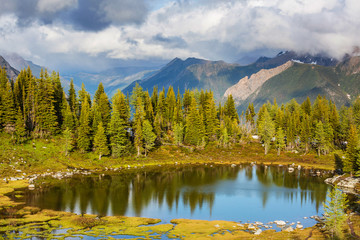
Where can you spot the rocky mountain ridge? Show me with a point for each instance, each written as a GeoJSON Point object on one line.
{"type": "Point", "coordinates": [12, 73]}
{"type": "Point", "coordinates": [247, 86]}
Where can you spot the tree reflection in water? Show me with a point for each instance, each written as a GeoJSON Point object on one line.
{"type": "Point", "coordinates": [193, 187]}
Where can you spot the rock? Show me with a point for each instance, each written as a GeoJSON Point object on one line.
{"type": "Point", "coordinates": [290, 169]}
{"type": "Point", "coordinates": [217, 225]}
{"type": "Point", "coordinates": [251, 227]}
{"type": "Point", "coordinates": [279, 222]}
{"type": "Point", "coordinates": [31, 186]}
{"type": "Point", "coordinates": [305, 217]}
{"type": "Point", "coordinates": [233, 165]}
{"type": "Point", "coordinates": [299, 226]}
{"type": "Point", "coordinates": [288, 229]}
{"type": "Point", "coordinates": [299, 167]}
{"type": "Point", "coordinates": [348, 182]}
{"type": "Point", "coordinates": [258, 223]}
{"type": "Point", "coordinates": [240, 225]}
{"type": "Point", "coordinates": [258, 231]}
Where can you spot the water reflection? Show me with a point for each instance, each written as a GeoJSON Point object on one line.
{"type": "Point", "coordinates": [201, 192]}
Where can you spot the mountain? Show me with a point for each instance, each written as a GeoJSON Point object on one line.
{"type": "Point", "coordinates": [217, 75]}
{"type": "Point", "coordinates": [339, 83]}
{"type": "Point", "coordinates": [196, 73]}
{"type": "Point", "coordinates": [112, 79]}
{"type": "Point", "coordinates": [247, 86]}
{"type": "Point", "coordinates": [12, 73]}
{"type": "Point", "coordinates": [20, 63]}
{"type": "Point", "coordinates": [285, 56]}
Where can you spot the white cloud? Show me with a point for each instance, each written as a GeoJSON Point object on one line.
{"type": "Point", "coordinates": [208, 29]}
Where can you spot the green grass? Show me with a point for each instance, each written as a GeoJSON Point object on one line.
{"type": "Point", "coordinates": [41, 155]}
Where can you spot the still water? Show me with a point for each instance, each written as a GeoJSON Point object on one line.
{"type": "Point", "coordinates": [241, 193]}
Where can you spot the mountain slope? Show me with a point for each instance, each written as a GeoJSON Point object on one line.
{"type": "Point", "coordinates": [12, 73]}
{"type": "Point", "coordinates": [20, 63]}
{"type": "Point", "coordinates": [246, 86]}
{"type": "Point", "coordinates": [216, 75]}
{"type": "Point", "coordinates": [196, 73]}
{"type": "Point", "coordinates": [339, 84]}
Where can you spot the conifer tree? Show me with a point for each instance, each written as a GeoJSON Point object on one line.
{"type": "Point", "coordinates": [194, 127]}
{"type": "Point", "coordinates": [352, 151]}
{"type": "Point", "coordinates": [334, 209]}
{"type": "Point", "coordinates": [279, 140]}
{"type": "Point", "coordinates": [7, 111]}
{"type": "Point", "coordinates": [100, 142]}
{"type": "Point", "coordinates": [149, 136]}
{"type": "Point", "coordinates": [68, 141]}
{"type": "Point", "coordinates": [118, 138]}
{"type": "Point", "coordinates": [46, 119]}
{"type": "Point", "coordinates": [250, 114]}
{"type": "Point", "coordinates": [305, 132]}
{"type": "Point", "coordinates": [178, 133]}
{"type": "Point", "coordinates": [121, 103]}
{"type": "Point", "coordinates": [170, 107]}
{"type": "Point", "coordinates": [224, 137]}
{"type": "Point", "coordinates": [72, 97]}
{"type": "Point", "coordinates": [211, 120]}
{"type": "Point", "coordinates": [99, 91]}
{"type": "Point", "coordinates": [20, 131]}
{"type": "Point", "coordinates": [229, 108]}
{"type": "Point", "coordinates": [267, 130]}
{"type": "Point", "coordinates": [83, 140]}
{"type": "Point", "coordinates": [139, 118]}
{"type": "Point", "coordinates": [69, 118]}
{"type": "Point", "coordinates": [148, 107]}
{"type": "Point", "coordinates": [320, 137]}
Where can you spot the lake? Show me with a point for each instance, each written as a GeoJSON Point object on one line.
{"type": "Point", "coordinates": [208, 192]}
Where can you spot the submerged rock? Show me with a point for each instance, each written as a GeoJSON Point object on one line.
{"type": "Point", "coordinates": [288, 229]}
{"type": "Point", "coordinates": [257, 232]}
{"type": "Point", "coordinates": [280, 222]}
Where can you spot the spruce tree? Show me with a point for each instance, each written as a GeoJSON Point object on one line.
{"type": "Point", "coordinates": [352, 151]}
{"type": "Point", "coordinates": [267, 130]}
{"type": "Point", "coordinates": [68, 141]}
{"type": "Point", "coordinates": [250, 114]}
{"type": "Point", "coordinates": [334, 212]}
{"type": "Point", "coordinates": [100, 142]}
{"type": "Point", "coordinates": [279, 140]}
{"type": "Point", "coordinates": [83, 140]}
{"type": "Point", "coordinates": [178, 133]}
{"type": "Point", "coordinates": [149, 136]}
{"type": "Point", "coordinates": [320, 137]}
{"type": "Point", "coordinates": [20, 131]}
{"type": "Point", "coordinates": [72, 97]}
{"type": "Point", "coordinates": [118, 137]}
{"type": "Point", "coordinates": [138, 121]}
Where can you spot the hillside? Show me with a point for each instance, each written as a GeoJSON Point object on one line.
{"type": "Point", "coordinates": [339, 84]}
{"type": "Point", "coordinates": [196, 73]}
{"type": "Point", "coordinates": [12, 73]}
{"type": "Point", "coordinates": [20, 63]}
{"type": "Point", "coordinates": [217, 75]}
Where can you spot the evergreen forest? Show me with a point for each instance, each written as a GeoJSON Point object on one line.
{"type": "Point", "coordinates": [136, 123]}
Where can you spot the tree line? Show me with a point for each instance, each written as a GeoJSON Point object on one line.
{"type": "Point", "coordinates": [33, 107]}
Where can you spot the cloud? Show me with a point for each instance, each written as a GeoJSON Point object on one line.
{"type": "Point", "coordinates": [164, 29]}
{"type": "Point", "coordinates": [89, 15]}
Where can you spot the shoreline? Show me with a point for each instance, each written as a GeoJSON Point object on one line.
{"type": "Point", "coordinates": [163, 157]}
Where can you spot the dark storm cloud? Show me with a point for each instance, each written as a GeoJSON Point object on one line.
{"type": "Point", "coordinates": [90, 15]}
{"type": "Point", "coordinates": [171, 42]}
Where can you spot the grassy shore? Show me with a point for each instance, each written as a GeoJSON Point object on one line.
{"type": "Point", "coordinates": [41, 156]}
{"type": "Point", "coordinates": [38, 156]}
